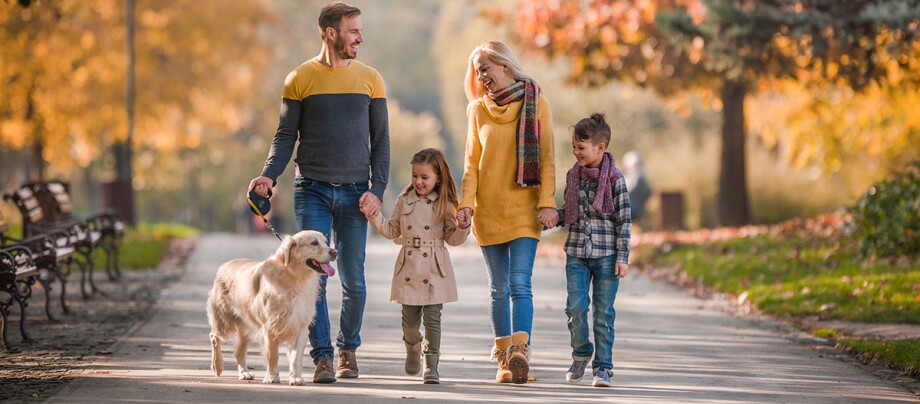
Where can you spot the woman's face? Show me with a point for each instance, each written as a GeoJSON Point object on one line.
{"type": "Point", "coordinates": [493, 76]}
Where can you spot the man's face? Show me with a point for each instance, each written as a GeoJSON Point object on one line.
{"type": "Point", "coordinates": [348, 37]}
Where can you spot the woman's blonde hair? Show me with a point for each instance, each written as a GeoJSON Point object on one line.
{"type": "Point", "coordinates": [446, 205]}
{"type": "Point", "coordinates": [499, 53]}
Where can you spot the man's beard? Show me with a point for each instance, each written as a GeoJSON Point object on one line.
{"type": "Point", "coordinates": [340, 49]}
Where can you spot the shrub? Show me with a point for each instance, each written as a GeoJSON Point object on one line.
{"type": "Point", "coordinates": [887, 217]}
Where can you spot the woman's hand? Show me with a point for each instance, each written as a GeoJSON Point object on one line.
{"type": "Point", "coordinates": [548, 217]}
{"type": "Point", "coordinates": [464, 217]}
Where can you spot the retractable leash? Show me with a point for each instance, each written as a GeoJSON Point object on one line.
{"type": "Point", "coordinates": [260, 206]}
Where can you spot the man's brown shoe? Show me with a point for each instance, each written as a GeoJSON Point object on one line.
{"type": "Point", "coordinates": [348, 365]}
{"type": "Point", "coordinates": [324, 372]}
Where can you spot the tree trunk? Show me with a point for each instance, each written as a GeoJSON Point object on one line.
{"type": "Point", "coordinates": [734, 208]}
{"type": "Point", "coordinates": [38, 145]}
{"type": "Point", "coordinates": [119, 194]}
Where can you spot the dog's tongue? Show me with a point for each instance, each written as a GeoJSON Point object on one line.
{"type": "Point", "coordinates": [329, 269]}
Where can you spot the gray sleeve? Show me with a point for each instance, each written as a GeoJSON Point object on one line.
{"type": "Point", "coordinates": [285, 139]}
{"type": "Point", "coordinates": [380, 147]}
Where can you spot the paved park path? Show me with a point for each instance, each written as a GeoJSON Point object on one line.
{"type": "Point", "coordinates": [670, 347]}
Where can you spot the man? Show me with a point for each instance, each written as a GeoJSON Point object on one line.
{"type": "Point", "coordinates": [337, 105]}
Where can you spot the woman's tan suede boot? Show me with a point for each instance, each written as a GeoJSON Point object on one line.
{"type": "Point", "coordinates": [518, 355]}
{"type": "Point", "coordinates": [500, 355]}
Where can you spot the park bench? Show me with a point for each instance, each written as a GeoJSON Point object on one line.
{"type": "Point", "coordinates": [57, 203]}
{"type": "Point", "coordinates": [52, 254]}
{"type": "Point", "coordinates": [81, 235]}
{"type": "Point", "coordinates": [17, 275]}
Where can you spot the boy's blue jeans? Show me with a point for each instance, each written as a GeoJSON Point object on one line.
{"type": "Point", "coordinates": [510, 269]}
{"type": "Point", "coordinates": [326, 207]}
{"type": "Point", "coordinates": [599, 275]}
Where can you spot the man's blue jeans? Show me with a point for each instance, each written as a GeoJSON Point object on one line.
{"type": "Point", "coordinates": [598, 274]}
{"type": "Point", "coordinates": [326, 208]}
{"type": "Point", "coordinates": [510, 269]}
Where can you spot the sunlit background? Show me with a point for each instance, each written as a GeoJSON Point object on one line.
{"type": "Point", "coordinates": [208, 78]}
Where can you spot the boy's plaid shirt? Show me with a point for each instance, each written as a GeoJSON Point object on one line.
{"type": "Point", "coordinates": [595, 234]}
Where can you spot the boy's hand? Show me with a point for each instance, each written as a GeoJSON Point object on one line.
{"type": "Point", "coordinates": [548, 217]}
{"type": "Point", "coordinates": [464, 218]}
{"type": "Point", "coordinates": [622, 270]}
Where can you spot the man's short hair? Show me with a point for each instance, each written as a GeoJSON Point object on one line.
{"type": "Point", "coordinates": [332, 14]}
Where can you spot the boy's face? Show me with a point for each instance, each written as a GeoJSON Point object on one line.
{"type": "Point", "coordinates": [588, 154]}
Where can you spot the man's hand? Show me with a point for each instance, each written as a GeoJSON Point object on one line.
{"type": "Point", "coordinates": [464, 218]}
{"type": "Point", "coordinates": [369, 205]}
{"type": "Point", "coordinates": [622, 270]}
{"type": "Point", "coordinates": [261, 185]}
{"type": "Point", "coordinates": [548, 217]}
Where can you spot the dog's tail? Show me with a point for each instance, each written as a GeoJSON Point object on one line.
{"type": "Point", "coordinates": [217, 361]}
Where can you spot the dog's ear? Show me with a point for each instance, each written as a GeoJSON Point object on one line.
{"type": "Point", "coordinates": [284, 251]}
{"type": "Point", "coordinates": [287, 246]}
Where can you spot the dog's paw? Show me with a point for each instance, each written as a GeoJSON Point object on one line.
{"type": "Point", "coordinates": [271, 379]}
{"type": "Point", "coordinates": [296, 381]}
{"type": "Point", "coordinates": [246, 376]}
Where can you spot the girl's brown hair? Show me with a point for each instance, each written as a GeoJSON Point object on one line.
{"type": "Point", "coordinates": [594, 129]}
{"type": "Point", "coordinates": [447, 202]}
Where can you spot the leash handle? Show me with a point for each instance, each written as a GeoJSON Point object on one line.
{"type": "Point", "coordinates": [267, 224]}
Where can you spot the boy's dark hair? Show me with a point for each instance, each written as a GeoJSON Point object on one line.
{"type": "Point", "coordinates": [593, 128]}
{"type": "Point", "coordinates": [333, 13]}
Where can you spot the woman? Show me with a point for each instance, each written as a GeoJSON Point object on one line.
{"type": "Point", "coordinates": [508, 185]}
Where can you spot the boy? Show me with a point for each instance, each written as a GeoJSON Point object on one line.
{"type": "Point", "coordinates": [597, 212]}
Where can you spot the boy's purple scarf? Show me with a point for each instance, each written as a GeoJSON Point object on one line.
{"type": "Point", "coordinates": [528, 131]}
{"type": "Point", "coordinates": [604, 176]}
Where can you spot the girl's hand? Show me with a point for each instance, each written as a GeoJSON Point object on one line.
{"type": "Point", "coordinates": [464, 217]}
{"type": "Point", "coordinates": [622, 270]}
{"type": "Point", "coordinates": [548, 217]}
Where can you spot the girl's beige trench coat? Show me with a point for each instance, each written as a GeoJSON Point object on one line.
{"type": "Point", "coordinates": [423, 274]}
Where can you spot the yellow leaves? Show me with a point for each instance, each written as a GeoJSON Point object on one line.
{"type": "Point", "coordinates": [831, 70]}
{"type": "Point", "coordinates": [14, 132]}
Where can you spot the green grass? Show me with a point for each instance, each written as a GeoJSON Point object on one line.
{"type": "Point", "coordinates": [144, 245]}
{"type": "Point", "coordinates": [825, 333]}
{"type": "Point", "coordinates": [901, 354]}
{"type": "Point", "coordinates": [805, 276]}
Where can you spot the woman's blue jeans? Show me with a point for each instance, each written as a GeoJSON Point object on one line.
{"type": "Point", "coordinates": [599, 275]}
{"type": "Point", "coordinates": [326, 208]}
{"type": "Point", "coordinates": [510, 269]}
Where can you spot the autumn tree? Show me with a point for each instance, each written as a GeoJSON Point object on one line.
{"type": "Point", "coordinates": [727, 49]}
{"type": "Point", "coordinates": [63, 74]}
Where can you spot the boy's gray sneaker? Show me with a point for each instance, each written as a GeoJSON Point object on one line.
{"type": "Point", "coordinates": [602, 378]}
{"type": "Point", "coordinates": [576, 371]}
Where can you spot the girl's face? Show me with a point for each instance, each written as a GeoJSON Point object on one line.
{"type": "Point", "coordinates": [588, 154]}
{"type": "Point", "coordinates": [493, 76]}
{"type": "Point", "coordinates": [424, 178]}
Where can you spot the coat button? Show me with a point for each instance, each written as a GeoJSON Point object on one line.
{"type": "Point", "coordinates": [427, 227]}
{"type": "Point", "coordinates": [408, 252]}
{"type": "Point", "coordinates": [424, 254]}
{"type": "Point", "coordinates": [410, 227]}
{"type": "Point", "coordinates": [425, 281]}
{"type": "Point", "coordinates": [429, 202]}
{"type": "Point", "coordinates": [407, 279]}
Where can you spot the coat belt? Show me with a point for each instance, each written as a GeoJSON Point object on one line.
{"type": "Point", "coordinates": [418, 242]}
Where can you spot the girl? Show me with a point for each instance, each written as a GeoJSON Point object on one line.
{"type": "Point", "coordinates": [423, 280]}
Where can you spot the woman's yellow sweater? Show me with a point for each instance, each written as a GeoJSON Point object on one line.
{"type": "Point", "coordinates": [502, 210]}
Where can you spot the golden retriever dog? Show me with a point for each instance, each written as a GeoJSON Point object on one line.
{"type": "Point", "coordinates": [273, 300]}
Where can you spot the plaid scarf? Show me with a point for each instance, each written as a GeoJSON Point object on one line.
{"type": "Point", "coordinates": [528, 131]}
{"type": "Point", "coordinates": [604, 176]}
